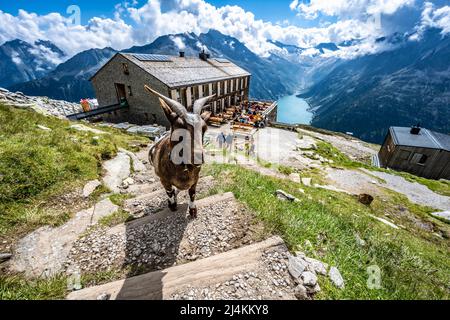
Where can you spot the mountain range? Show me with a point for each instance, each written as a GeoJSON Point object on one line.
{"type": "Point", "coordinates": [403, 85]}
{"type": "Point", "coordinates": [272, 77]}
{"type": "Point", "coordinates": [21, 61]}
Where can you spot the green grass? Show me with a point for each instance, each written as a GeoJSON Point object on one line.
{"type": "Point", "coordinates": [119, 199]}
{"type": "Point", "coordinates": [285, 170]}
{"type": "Point", "coordinates": [36, 165]}
{"type": "Point", "coordinates": [19, 288]}
{"type": "Point", "coordinates": [414, 265]}
{"type": "Point", "coordinates": [118, 217]}
{"type": "Point", "coordinates": [328, 151]}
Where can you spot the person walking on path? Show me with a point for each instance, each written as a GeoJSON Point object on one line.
{"type": "Point", "coordinates": [247, 146]}
{"type": "Point", "coordinates": [252, 147]}
{"type": "Point", "coordinates": [229, 141]}
{"type": "Point", "coordinates": [221, 139]}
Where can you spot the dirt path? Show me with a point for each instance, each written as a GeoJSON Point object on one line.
{"type": "Point", "coordinates": [353, 148]}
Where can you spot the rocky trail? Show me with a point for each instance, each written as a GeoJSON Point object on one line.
{"type": "Point", "coordinates": [159, 254]}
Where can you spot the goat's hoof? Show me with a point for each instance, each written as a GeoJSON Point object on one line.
{"type": "Point", "coordinates": [173, 207]}
{"type": "Point", "coordinates": [193, 213]}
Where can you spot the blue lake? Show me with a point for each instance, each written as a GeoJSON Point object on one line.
{"type": "Point", "coordinates": [294, 110]}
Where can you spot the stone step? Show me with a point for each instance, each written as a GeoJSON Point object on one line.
{"type": "Point", "coordinates": [156, 201]}
{"type": "Point", "coordinates": [167, 238]}
{"type": "Point", "coordinates": [240, 274]}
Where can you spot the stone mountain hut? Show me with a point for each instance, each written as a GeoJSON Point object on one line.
{"type": "Point", "coordinates": [185, 79]}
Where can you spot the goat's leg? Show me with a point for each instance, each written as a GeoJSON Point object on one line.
{"type": "Point", "coordinates": [172, 194]}
{"type": "Point", "coordinates": [192, 205]}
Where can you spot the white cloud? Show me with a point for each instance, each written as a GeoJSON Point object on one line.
{"type": "Point", "coordinates": [293, 5]}
{"type": "Point", "coordinates": [59, 30]}
{"type": "Point", "coordinates": [178, 42]}
{"type": "Point", "coordinates": [348, 8]}
{"type": "Point", "coordinates": [436, 18]}
{"type": "Point", "coordinates": [161, 17]}
{"type": "Point", "coordinates": [15, 58]}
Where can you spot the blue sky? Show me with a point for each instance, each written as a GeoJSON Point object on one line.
{"type": "Point", "coordinates": [268, 10]}
{"type": "Point", "coordinates": [306, 23]}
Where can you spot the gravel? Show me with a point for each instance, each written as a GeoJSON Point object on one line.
{"type": "Point", "coordinates": [269, 280]}
{"type": "Point", "coordinates": [166, 241]}
{"type": "Point", "coordinates": [416, 192]}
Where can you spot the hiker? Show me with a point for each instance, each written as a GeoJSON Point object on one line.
{"type": "Point", "coordinates": [229, 141]}
{"type": "Point", "coordinates": [252, 147]}
{"type": "Point", "coordinates": [247, 146]}
{"type": "Point", "coordinates": [221, 139]}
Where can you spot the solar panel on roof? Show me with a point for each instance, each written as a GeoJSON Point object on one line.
{"type": "Point", "coordinates": [222, 60]}
{"type": "Point", "coordinates": [152, 57]}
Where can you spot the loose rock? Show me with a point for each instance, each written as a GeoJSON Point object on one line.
{"type": "Point", "coordinates": [309, 279]}
{"type": "Point", "coordinates": [336, 277]}
{"type": "Point", "coordinates": [90, 187]}
{"type": "Point", "coordinates": [296, 266]}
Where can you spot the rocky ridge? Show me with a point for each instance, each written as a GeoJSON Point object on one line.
{"type": "Point", "coordinates": [44, 105]}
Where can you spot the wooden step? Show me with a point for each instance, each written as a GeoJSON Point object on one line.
{"type": "Point", "coordinates": [163, 284]}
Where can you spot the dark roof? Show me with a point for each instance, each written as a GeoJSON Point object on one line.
{"type": "Point", "coordinates": [425, 139]}
{"type": "Point", "coordinates": [175, 71]}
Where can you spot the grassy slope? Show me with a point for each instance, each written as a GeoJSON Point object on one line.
{"type": "Point", "coordinates": [36, 168]}
{"type": "Point", "coordinates": [414, 265]}
{"type": "Point", "coordinates": [38, 165]}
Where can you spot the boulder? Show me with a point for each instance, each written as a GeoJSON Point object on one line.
{"type": "Point", "coordinates": [442, 215]}
{"type": "Point", "coordinates": [282, 195]}
{"type": "Point", "coordinates": [336, 277]}
{"type": "Point", "coordinates": [366, 199]}
{"type": "Point", "coordinates": [307, 181]}
{"type": "Point", "coordinates": [317, 266]}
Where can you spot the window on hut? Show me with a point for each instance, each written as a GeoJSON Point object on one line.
{"type": "Point", "coordinates": [419, 158]}
{"type": "Point", "coordinates": [206, 90]}
{"type": "Point", "coordinates": [423, 159]}
{"type": "Point", "coordinates": [125, 68]}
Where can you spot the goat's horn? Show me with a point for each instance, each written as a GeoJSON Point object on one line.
{"type": "Point", "coordinates": [200, 104]}
{"type": "Point", "coordinates": [177, 107]}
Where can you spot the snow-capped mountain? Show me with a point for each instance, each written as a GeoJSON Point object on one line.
{"type": "Point", "coordinates": [402, 86]}
{"type": "Point", "coordinates": [272, 77]}
{"type": "Point", "coordinates": [70, 80]}
{"type": "Point", "coordinates": [21, 61]}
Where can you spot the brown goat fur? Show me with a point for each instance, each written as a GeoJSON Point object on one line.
{"type": "Point", "coordinates": [180, 176]}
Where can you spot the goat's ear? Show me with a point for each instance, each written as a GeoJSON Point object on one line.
{"type": "Point", "coordinates": [170, 115]}
{"type": "Point", "coordinates": [206, 115]}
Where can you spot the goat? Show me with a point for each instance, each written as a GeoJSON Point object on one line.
{"type": "Point", "coordinates": [178, 162]}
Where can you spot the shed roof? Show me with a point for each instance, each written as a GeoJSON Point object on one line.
{"type": "Point", "coordinates": [178, 72]}
{"type": "Point", "coordinates": [425, 139]}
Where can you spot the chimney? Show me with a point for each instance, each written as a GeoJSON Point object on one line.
{"type": "Point", "coordinates": [181, 54]}
{"type": "Point", "coordinates": [415, 129]}
{"type": "Point", "coordinates": [203, 55]}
